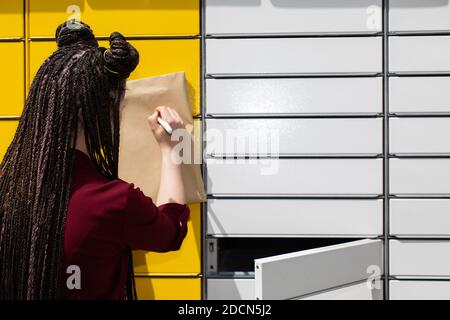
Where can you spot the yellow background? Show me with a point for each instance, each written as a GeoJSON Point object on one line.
{"type": "Point", "coordinates": [11, 18]}
{"type": "Point", "coordinates": [166, 33]}
{"type": "Point", "coordinates": [12, 65]}
{"type": "Point", "coordinates": [168, 288]}
{"type": "Point", "coordinates": [131, 17]}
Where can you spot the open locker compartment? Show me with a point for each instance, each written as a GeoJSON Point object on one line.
{"type": "Point", "coordinates": [295, 268]}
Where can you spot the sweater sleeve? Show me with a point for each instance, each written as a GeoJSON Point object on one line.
{"type": "Point", "coordinates": [153, 228]}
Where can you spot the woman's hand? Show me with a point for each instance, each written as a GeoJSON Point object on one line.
{"type": "Point", "coordinates": [172, 118]}
{"type": "Point", "coordinates": [171, 188]}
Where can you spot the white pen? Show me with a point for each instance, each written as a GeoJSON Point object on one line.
{"type": "Point", "coordinates": [165, 125]}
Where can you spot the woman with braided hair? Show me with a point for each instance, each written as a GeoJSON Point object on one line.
{"type": "Point", "coordinates": [67, 222]}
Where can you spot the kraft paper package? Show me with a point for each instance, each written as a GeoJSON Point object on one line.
{"type": "Point", "coordinates": [140, 155]}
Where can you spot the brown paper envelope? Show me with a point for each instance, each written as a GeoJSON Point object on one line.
{"type": "Point", "coordinates": [140, 155]}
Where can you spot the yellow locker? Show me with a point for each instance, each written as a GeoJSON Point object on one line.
{"type": "Point", "coordinates": [185, 261]}
{"type": "Point", "coordinates": [168, 288]}
{"type": "Point", "coordinates": [132, 17]}
{"type": "Point", "coordinates": [156, 57]}
{"type": "Point", "coordinates": [11, 18]}
{"type": "Point", "coordinates": [12, 66]}
{"type": "Point", "coordinates": [165, 56]}
{"type": "Point", "coordinates": [7, 130]}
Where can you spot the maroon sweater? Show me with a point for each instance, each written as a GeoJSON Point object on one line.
{"type": "Point", "coordinates": [105, 219]}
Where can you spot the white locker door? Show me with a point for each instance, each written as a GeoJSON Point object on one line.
{"type": "Point", "coordinates": [419, 176]}
{"type": "Point", "coordinates": [261, 217]}
{"type": "Point", "coordinates": [419, 54]}
{"type": "Point", "coordinates": [420, 217]}
{"type": "Point", "coordinates": [296, 55]}
{"type": "Point", "coordinates": [419, 136]}
{"type": "Point", "coordinates": [230, 289]}
{"type": "Point", "coordinates": [297, 274]}
{"type": "Point", "coordinates": [419, 95]}
{"type": "Point", "coordinates": [419, 16]}
{"type": "Point", "coordinates": [419, 290]}
{"type": "Point", "coordinates": [244, 289]}
{"type": "Point", "coordinates": [292, 16]}
{"type": "Point", "coordinates": [295, 136]}
{"type": "Point", "coordinates": [288, 177]}
{"type": "Point", "coordinates": [419, 258]}
{"type": "Point", "coordinates": [359, 291]}
{"type": "Point", "coordinates": [294, 96]}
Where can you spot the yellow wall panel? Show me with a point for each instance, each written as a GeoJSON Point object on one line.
{"type": "Point", "coordinates": [11, 18]}
{"type": "Point", "coordinates": [166, 56]}
{"type": "Point", "coordinates": [131, 17]}
{"type": "Point", "coordinates": [12, 84]}
{"type": "Point", "coordinates": [168, 288]}
{"type": "Point", "coordinates": [7, 130]}
{"type": "Point", "coordinates": [185, 261]}
{"type": "Point", "coordinates": [156, 57]}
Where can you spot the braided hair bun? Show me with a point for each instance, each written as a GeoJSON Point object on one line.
{"type": "Point", "coordinates": [121, 58]}
{"type": "Point", "coordinates": [74, 32]}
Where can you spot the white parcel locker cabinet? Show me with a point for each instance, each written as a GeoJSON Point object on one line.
{"type": "Point", "coordinates": [292, 16]}
{"type": "Point", "coordinates": [419, 95]}
{"type": "Point", "coordinates": [419, 290]}
{"type": "Point", "coordinates": [419, 258]}
{"type": "Point", "coordinates": [295, 136]}
{"type": "Point", "coordinates": [420, 217]}
{"type": "Point", "coordinates": [419, 135]}
{"type": "Point", "coordinates": [419, 54]}
{"type": "Point", "coordinates": [419, 176]}
{"type": "Point", "coordinates": [293, 55]}
{"type": "Point", "coordinates": [292, 96]}
{"type": "Point", "coordinates": [351, 270]}
{"type": "Point", "coordinates": [273, 176]}
{"type": "Point", "coordinates": [302, 273]}
{"type": "Point", "coordinates": [419, 16]}
{"type": "Point", "coordinates": [294, 217]}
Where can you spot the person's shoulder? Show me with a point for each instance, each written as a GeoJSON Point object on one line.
{"type": "Point", "coordinates": [127, 189]}
{"type": "Point", "coordinates": [116, 190]}
{"type": "Point", "coordinates": [120, 191]}
{"type": "Point", "coordinates": [110, 195]}
{"type": "Point", "coordinates": [119, 185]}
{"type": "Point", "coordinates": [134, 192]}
